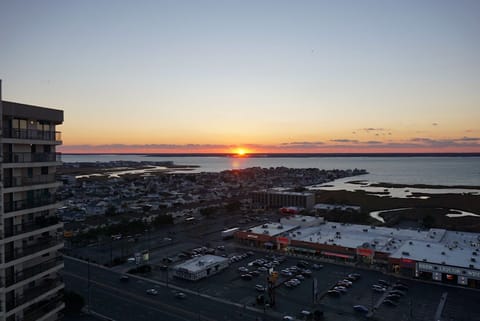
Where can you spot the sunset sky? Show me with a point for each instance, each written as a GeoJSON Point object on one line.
{"type": "Point", "coordinates": [267, 76]}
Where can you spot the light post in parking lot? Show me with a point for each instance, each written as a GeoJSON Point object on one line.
{"type": "Point", "coordinates": [88, 285]}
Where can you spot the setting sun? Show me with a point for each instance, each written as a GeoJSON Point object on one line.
{"type": "Point", "coordinates": [241, 152]}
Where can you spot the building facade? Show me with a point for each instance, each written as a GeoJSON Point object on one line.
{"type": "Point", "coordinates": [445, 256]}
{"type": "Point", "coordinates": [278, 199]}
{"type": "Point", "coordinates": [200, 267]}
{"type": "Point", "coordinates": [31, 287]}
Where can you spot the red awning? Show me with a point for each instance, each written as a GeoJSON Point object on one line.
{"type": "Point", "coordinates": [343, 256]}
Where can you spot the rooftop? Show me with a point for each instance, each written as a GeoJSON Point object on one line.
{"type": "Point", "coordinates": [455, 249]}
{"type": "Point", "coordinates": [438, 246]}
{"type": "Point", "coordinates": [272, 229]}
{"type": "Point", "coordinates": [200, 262]}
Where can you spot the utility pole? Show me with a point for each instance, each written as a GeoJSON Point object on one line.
{"type": "Point", "coordinates": [88, 284]}
{"type": "Point", "coordinates": [111, 251]}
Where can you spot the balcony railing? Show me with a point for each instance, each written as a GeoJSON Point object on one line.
{"type": "Point", "coordinates": [16, 181]}
{"type": "Point", "coordinates": [32, 134]}
{"type": "Point", "coordinates": [40, 245]}
{"type": "Point", "coordinates": [31, 157]}
{"type": "Point", "coordinates": [34, 270]}
{"type": "Point", "coordinates": [33, 293]}
{"type": "Point", "coordinates": [40, 309]}
{"type": "Point", "coordinates": [28, 203]}
{"type": "Point", "coordinates": [40, 222]}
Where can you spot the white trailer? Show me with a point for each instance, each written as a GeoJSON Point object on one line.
{"type": "Point", "coordinates": [229, 233]}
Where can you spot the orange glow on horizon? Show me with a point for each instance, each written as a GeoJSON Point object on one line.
{"type": "Point", "coordinates": [241, 152]}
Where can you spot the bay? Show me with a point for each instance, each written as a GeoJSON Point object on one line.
{"type": "Point", "coordinates": [400, 170]}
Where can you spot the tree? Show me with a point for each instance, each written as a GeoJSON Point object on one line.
{"type": "Point", "coordinates": [233, 206]}
{"type": "Point", "coordinates": [208, 211]}
{"type": "Point", "coordinates": [110, 211]}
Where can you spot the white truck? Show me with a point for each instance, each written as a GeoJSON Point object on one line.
{"type": "Point", "coordinates": [229, 233]}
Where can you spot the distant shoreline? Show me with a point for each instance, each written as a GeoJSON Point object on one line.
{"type": "Point", "coordinates": [301, 155]}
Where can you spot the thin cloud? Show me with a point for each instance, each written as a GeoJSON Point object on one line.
{"type": "Point", "coordinates": [354, 141]}
{"type": "Point", "coordinates": [370, 129]}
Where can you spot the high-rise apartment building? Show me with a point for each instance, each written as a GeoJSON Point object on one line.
{"type": "Point", "coordinates": [31, 287]}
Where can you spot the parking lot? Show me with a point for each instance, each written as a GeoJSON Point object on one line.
{"type": "Point", "coordinates": [420, 302]}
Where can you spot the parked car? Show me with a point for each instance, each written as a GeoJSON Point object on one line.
{"type": "Point", "coordinates": [389, 303]}
{"type": "Point", "coordinates": [400, 287]}
{"type": "Point", "coordinates": [383, 282]}
{"type": "Point", "coordinates": [401, 293]}
{"type": "Point", "coordinates": [180, 295]}
{"type": "Point", "coordinates": [340, 289]}
{"type": "Point", "coordinates": [393, 297]}
{"type": "Point", "coordinates": [259, 288]}
{"type": "Point", "coordinates": [360, 308]}
{"type": "Point", "coordinates": [317, 266]}
{"type": "Point", "coordinates": [254, 273]}
{"type": "Point", "coordinates": [303, 264]}
{"type": "Point", "coordinates": [246, 276]}
{"type": "Point", "coordinates": [378, 288]}
{"type": "Point", "coordinates": [333, 293]}
{"type": "Point", "coordinates": [307, 273]}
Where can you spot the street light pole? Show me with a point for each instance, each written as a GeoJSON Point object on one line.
{"type": "Point", "coordinates": [88, 284]}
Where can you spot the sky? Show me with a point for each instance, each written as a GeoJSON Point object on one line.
{"type": "Point", "coordinates": [265, 76]}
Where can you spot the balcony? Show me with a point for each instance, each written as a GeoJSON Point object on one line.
{"type": "Point", "coordinates": [31, 157]}
{"type": "Point", "coordinates": [40, 222]}
{"type": "Point", "coordinates": [32, 271]}
{"type": "Point", "coordinates": [32, 134]}
{"type": "Point", "coordinates": [18, 181]}
{"type": "Point", "coordinates": [28, 203]}
{"type": "Point", "coordinates": [40, 245]}
{"type": "Point", "coordinates": [40, 309]}
{"type": "Point", "coordinates": [32, 293]}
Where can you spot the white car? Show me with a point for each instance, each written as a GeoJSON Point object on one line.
{"type": "Point", "coordinates": [180, 295]}
{"type": "Point", "coordinates": [152, 291]}
{"type": "Point", "coordinates": [260, 288]}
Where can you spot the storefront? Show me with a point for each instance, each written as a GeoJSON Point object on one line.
{"type": "Point", "coordinates": [338, 256]}
{"type": "Point", "coordinates": [448, 274]}
{"type": "Point", "coordinates": [403, 266]}
{"type": "Point", "coordinates": [365, 255]}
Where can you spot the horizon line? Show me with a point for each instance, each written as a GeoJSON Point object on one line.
{"type": "Point", "coordinates": [404, 154]}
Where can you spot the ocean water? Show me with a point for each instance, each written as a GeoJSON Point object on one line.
{"type": "Point", "coordinates": [402, 170]}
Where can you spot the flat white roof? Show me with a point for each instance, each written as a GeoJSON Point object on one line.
{"type": "Point", "coordinates": [440, 246]}
{"type": "Point", "coordinates": [383, 239]}
{"type": "Point", "coordinates": [200, 263]}
{"type": "Point", "coordinates": [272, 229]}
{"type": "Point", "coordinates": [455, 249]}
